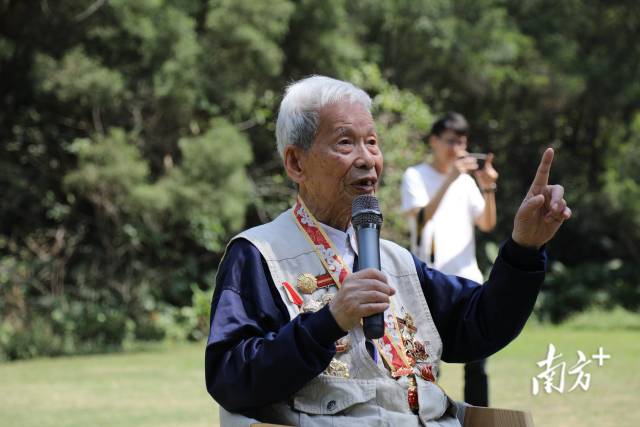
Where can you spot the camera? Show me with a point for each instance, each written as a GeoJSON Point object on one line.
{"type": "Point", "coordinates": [480, 157]}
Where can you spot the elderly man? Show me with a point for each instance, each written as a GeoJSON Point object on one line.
{"type": "Point", "coordinates": [286, 343]}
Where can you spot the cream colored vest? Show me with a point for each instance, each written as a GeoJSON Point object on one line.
{"type": "Point", "coordinates": [370, 395]}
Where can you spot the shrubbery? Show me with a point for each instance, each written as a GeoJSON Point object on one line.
{"type": "Point", "coordinates": [60, 326]}
{"type": "Point", "coordinates": [568, 290]}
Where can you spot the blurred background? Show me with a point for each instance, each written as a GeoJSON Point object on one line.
{"type": "Point", "coordinates": [137, 137]}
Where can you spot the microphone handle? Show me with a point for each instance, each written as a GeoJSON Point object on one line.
{"type": "Point", "coordinates": [368, 236]}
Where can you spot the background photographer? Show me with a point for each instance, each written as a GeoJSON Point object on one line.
{"type": "Point", "coordinates": [443, 203]}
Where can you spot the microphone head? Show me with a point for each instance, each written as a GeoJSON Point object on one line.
{"type": "Point", "coordinates": [365, 209]}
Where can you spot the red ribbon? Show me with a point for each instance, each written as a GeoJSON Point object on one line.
{"type": "Point", "coordinates": [293, 294]}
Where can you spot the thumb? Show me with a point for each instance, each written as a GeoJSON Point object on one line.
{"type": "Point", "coordinates": [532, 204]}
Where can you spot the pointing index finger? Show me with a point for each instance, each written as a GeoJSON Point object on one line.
{"type": "Point", "coordinates": [542, 174]}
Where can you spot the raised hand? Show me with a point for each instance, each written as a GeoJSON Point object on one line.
{"type": "Point", "coordinates": [543, 209]}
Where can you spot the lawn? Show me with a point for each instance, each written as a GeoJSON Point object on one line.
{"type": "Point", "coordinates": [164, 385]}
{"type": "Point", "coordinates": [160, 387]}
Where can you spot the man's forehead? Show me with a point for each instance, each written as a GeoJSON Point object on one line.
{"type": "Point", "coordinates": [343, 117]}
{"type": "Point", "coordinates": [346, 127]}
{"type": "Point", "coordinates": [345, 111]}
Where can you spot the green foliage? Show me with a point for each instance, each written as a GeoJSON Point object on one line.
{"type": "Point", "coordinates": [58, 325]}
{"type": "Point", "coordinates": [622, 188]}
{"type": "Point", "coordinates": [241, 51]}
{"type": "Point", "coordinates": [603, 286]}
{"type": "Point", "coordinates": [189, 322]}
{"type": "Point", "coordinates": [322, 39]}
{"type": "Point", "coordinates": [38, 340]}
{"type": "Point", "coordinates": [79, 78]}
{"type": "Point", "coordinates": [108, 168]}
{"type": "Point", "coordinates": [137, 137]}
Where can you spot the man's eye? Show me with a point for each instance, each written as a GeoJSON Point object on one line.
{"type": "Point", "coordinates": [344, 141]}
{"type": "Point", "coordinates": [372, 141]}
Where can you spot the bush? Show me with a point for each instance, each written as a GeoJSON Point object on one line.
{"type": "Point", "coordinates": [99, 328]}
{"type": "Point", "coordinates": [38, 339]}
{"type": "Point", "coordinates": [188, 322]}
{"type": "Point", "coordinates": [148, 328]}
{"type": "Point", "coordinates": [57, 326]}
{"type": "Point", "coordinates": [101, 323]}
{"type": "Point", "coordinates": [569, 290]}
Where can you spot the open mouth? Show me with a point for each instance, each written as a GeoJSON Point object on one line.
{"type": "Point", "coordinates": [365, 185]}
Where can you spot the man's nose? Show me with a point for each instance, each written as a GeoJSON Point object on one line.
{"type": "Point", "coordinates": [366, 159]}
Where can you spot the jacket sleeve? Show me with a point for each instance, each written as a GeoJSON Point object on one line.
{"type": "Point", "coordinates": [475, 321]}
{"type": "Point", "coordinates": [255, 355]}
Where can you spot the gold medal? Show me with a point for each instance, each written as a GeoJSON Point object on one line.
{"type": "Point", "coordinates": [337, 369]}
{"type": "Point", "coordinates": [307, 283]}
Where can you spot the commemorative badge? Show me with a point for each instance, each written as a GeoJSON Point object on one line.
{"type": "Point", "coordinates": [311, 306]}
{"type": "Point", "coordinates": [343, 345]}
{"type": "Point", "coordinates": [426, 372]}
{"type": "Point", "coordinates": [326, 298]}
{"type": "Point", "coordinates": [307, 283]}
{"type": "Point", "coordinates": [337, 368]}
{"type": "Point", "coordinates": [412, 394]}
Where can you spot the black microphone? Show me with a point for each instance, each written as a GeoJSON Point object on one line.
{"type": "Point", "coordinates": [367, 221]}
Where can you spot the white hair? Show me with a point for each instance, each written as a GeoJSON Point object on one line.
{"type": "Point", "coordinates": [299, 114]}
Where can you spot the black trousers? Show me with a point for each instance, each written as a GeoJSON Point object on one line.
{"type": "Point", "coordinates": [476, 383]}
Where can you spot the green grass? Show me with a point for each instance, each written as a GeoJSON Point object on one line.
{"type": "Point", "coordinates": [160, 387]}
{"type": "Point", "coordinates": [164, 386]}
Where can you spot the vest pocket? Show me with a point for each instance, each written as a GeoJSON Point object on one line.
{"type": "Point", "coordinates": [327, 395]}
{"type": "Point", "coordinates": [432, 400]}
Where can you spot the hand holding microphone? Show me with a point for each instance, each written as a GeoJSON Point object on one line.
{"type": "Point", "coordinates": [365, 293]}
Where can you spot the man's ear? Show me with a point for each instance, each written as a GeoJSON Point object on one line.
{"type": "Point", "coordinates": [294, 163]}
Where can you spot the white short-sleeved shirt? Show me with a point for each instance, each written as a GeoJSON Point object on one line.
{"type": "Point", "coordinates": [451, 229]}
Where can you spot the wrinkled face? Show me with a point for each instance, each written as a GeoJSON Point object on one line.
{"type": "Point", "coordinates": [448, 146]}
{"type": "Point", "coordinates": [344, 161]}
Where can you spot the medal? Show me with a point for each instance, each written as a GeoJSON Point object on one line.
{"type": "Point", "coordinates": [412, 394]}
{"type": "Point", "coordinates": [326, 298]}
{"type": "Point", "coordinates": [343, 345]}
{"type": "Point", "coordinates": [419, 352]}
{"type": "Point", "coordinates": [325, 280]}
{"type": "Point", "coordinates": [292, 294]}
{"type": "Point", "coordinates": [401, 372]}
{"type": "Point", "coordinates": [337, 368]}
{"type": "Point", "coordinates": [311, 306]}
{"type": "Point", "coordinates": [427, 373]}
{"type": "Point", "coordinates": [307, 283]}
